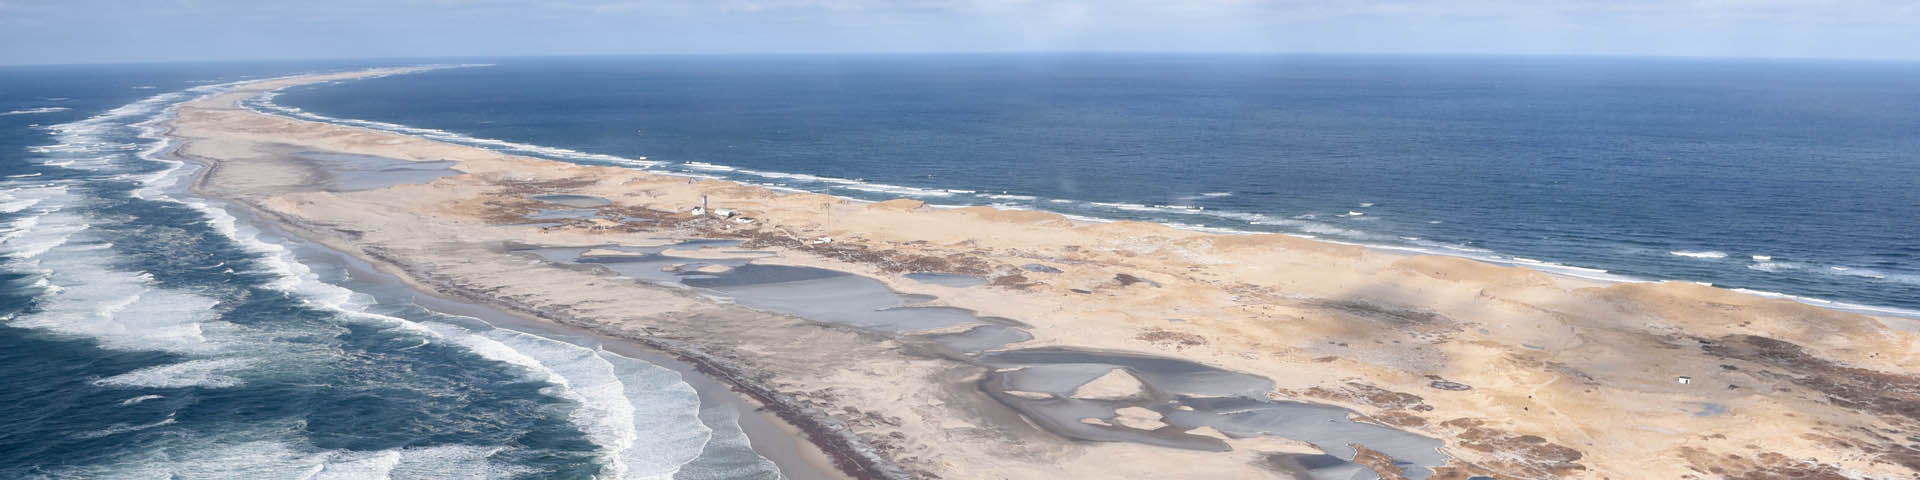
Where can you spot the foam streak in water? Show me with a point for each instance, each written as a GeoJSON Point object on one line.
{"type": "Point", "coordinates": [615, 401]}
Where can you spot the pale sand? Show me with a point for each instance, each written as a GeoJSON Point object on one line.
{"type": "Point", "coordinates": [1569, 377]}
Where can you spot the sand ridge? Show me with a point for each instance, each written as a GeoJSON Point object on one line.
{"type": "Point", "coordinates": [1522, 374]}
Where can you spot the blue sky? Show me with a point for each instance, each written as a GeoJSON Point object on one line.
{"type": "Point", "coordinates": [78, 31]}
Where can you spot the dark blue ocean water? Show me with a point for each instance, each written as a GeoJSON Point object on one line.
{"type": "Point", "coordinates": [144, 333]}
{"type": "Point", "coordinates": [1796, 177]}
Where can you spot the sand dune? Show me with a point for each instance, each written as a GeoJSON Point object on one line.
{"type": "Point", "coordinates": [1518, 373]}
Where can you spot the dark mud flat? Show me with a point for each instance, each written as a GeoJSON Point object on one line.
{"type": "Point", "coordinates": [697, 244]}
{"type": "Point", "coordinates": [345, 172]}
{"type": "Point", "coordinates": [980, 339]}
{"type": "Point", "coordinates": [947, 279]}
{"type": "Point", "coordinates": [576, 201]}
{"type": "Point", "coordinates": [814, 293]}
{"type": "Point", "coordinates": [830, 296]}
{"type": "Point", "coordinates": [1041, 383]}
{"type": "Point", "coordinates": [562, 214]}
{"type": "Point", "coordinates": [567, 207]}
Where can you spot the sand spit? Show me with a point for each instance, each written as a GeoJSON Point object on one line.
{"type": "Point", "coordinates": [1513, 373]}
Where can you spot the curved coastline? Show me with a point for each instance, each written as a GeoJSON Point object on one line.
{"type": "Point", "coordinates": [771, 180]}
{"type": "Point", "coordinates": [779, 431]}
{"type": "Point", "coordinates": [772, 421]}
{"type": "Point", "coordinates": [1508, 285]}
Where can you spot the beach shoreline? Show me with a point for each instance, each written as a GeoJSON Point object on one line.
{"type": "Point", "coordinates": [778, 439]}
{"type": "Point", "coordinates": [1297, 311]}
{"type": "Point", "coordinates": [1386, 230]}
{"type": "Point", "coordinates": [800, 451]}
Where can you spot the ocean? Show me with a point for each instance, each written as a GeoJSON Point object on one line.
{"type": "Point", "coordinates": [149, 334]}
{"type": "Point", "coordinates": [1780, 177]}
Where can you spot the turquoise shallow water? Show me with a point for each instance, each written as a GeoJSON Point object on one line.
{"type": "Point", "coordinates": [146, 333]}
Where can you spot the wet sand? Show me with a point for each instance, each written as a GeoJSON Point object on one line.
{"type": "Point", "coordinates": [1184, 394]}
{"type": "Point", "coordinates": [771, 437]}
{"type": "Point", "coordinates": [1104, 350]}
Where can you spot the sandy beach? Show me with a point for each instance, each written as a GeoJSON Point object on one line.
{"type": "Point", "coordinates": [773, 438]}
{"type": "Point", "coordinates": [1044, 347]}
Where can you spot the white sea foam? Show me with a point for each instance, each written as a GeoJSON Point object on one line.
{"type": "Point", "coordinates": [36, 110]}
{"type": "Point", "coordinates": [608, 418]}
{"type": "Point", "coordinates": [1842, 306]}
{"type": "Point", "coordinates": [264, 104]}
{"type": "Point", "coordinates": [800, 177]}
{"type": "Point", "coordinates": [1705, 254]}
{"type": "Point", "coordinates": [1319, 229]}
{"type": "Point", "coordinates": [708, 167]}
{"type": "Point", "coordinates": [1868, 273]}
{"type": "Point", "coordinates": [1567, 270]}
{"type": "Point", "coordinates": [1250, 218]}
{"type": "Point", "coordinates": [618, 398]}
{"type": "Point", "coordinates": [1131, 207]}
{"type": "Point", "coordinates": [142, 398]}
{"type": "Point", "coordinates": [896, 190]}
{"type": "Point", "coordinates": [270, 453]}
{"type": "Point", "coordinates": [1857, 272]}
{"type": "Point", "coordinates": [693, 175]}
{"type": "Point", "coordinates": [1303, 229]}
{"type": "Point", "coordinates": [615, 404]}
{"type": "Point", "coordinates": [206, 373]}
{"type": "Point", "coordinates": [31, 195]}
{"type": "Point", "coordinates": [83, 296]}
{"type": "Point", "coordinates": [120, 428]}
{"type": "Point", "coordinates": [86, 145]}
{"type": "Point", "coordinates": [448, 461]}
{"type": "Point", "coordinates": [1087, 219]}
{"type": "Point", "coordinates": [1207, 229]}
{"type": "Point", "coordinates": [667, 410]}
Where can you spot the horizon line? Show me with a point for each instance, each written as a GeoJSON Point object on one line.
{"type": "Point", "coordinates": [1242, 53]}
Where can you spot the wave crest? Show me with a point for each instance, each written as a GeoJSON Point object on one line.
{"type": "Point", "coordinates": [1702, 254]}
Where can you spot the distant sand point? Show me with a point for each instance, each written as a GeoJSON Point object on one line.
{"type": "Point", "coordinates": [1509, 372]}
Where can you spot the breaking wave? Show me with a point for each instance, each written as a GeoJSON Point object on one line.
{"type": "Point", "coordinates": [1205, 211]}
{"type": "Point", "coordinates": [1705, 254]}
{"type": "Point", "coordinates": [644, 419]}
{"type": "Point", "coordinates": [31, 111]}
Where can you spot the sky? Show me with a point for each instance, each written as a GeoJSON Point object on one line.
{"type": "Point", "coordinates": [90, 31]}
